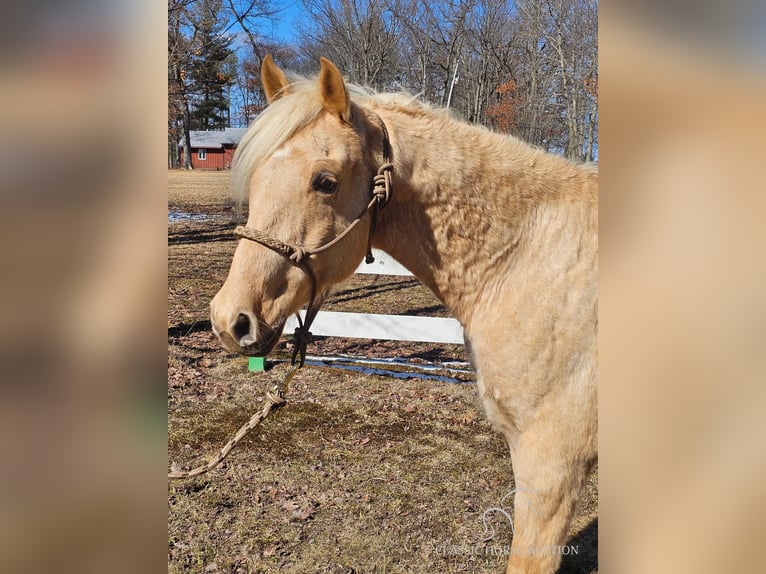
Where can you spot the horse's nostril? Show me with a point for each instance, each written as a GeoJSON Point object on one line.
{"type": "Point", "coordinates": [241, 328]}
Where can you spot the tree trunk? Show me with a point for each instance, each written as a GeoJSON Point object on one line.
{"type": "Point", "coordinates": [187, 137]}
{"type": "Point", "coordinates": [172, 148]}
{"type": "Point", "coordinates": [590, 141]}
{"type": "Point", "coordinates": [452, 83]}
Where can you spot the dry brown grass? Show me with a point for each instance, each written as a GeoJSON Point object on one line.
{"type": "Point", "coordinates": [197, 190]}
{"type": "Point", "coordinates": [358, 473]}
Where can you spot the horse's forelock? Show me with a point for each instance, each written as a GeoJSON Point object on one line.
{"type": "Point", "coordinates": [271, 129]}
{"type": "Point", "coordinates": [275, 126]}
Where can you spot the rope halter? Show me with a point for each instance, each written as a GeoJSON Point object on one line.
{"type": "Point", "coordinates": [299, 256]}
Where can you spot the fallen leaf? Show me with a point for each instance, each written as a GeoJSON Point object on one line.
{"type": "Point", "coordinates": [302, 514]}
{"type": "Point", "coordinates": [468, 418]}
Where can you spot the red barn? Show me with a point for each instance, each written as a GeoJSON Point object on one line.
{"type": "Point", "coordinates": [213, 149]}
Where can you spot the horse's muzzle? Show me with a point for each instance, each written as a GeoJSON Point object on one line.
{"type": "Point", "coordinates": [248, 335]}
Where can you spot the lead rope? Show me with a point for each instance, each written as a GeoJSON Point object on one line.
{"type": "Point", "coordinates": [275, 398]}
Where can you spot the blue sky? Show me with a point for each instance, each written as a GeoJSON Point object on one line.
{"type": "Point", "coordinates": [281, 28]}
{"type": "Point", "coordinates": [284, 26]}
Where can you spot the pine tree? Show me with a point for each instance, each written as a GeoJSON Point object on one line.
{"type": "Point", "coordinates": [212, 70]}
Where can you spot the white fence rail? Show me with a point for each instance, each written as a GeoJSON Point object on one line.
{"type": "Point", "coordinates": [388, 327]}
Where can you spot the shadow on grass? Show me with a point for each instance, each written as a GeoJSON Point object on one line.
{"type": "Point", "coordinates": [294, 431]}
{"type": "Point", "coordinates": [199, 234]}
{"type": "Point", "coordinates": [361, 292]}
{"type": "Point", "coordinates": [185, 329]}
{"type": "Point", "coordinates": [427, 311]}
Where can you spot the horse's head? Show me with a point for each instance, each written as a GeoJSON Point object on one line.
{"type": "Point", "coordinates": [306, 167]}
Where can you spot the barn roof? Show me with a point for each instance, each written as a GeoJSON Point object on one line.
{"type": "Point", "coordinates": [215, 139]}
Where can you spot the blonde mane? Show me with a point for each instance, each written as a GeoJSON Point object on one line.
{"type": "Point", "coordinates": [282, 119]}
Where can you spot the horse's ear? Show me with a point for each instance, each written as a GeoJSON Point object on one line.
{"type": "Point", "coordinates": [275, 83]}
{"type": "Point", "coordinates": [332, 90]}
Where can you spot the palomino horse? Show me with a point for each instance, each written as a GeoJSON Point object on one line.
{"type": "Point", "coordinates": [504, 234]}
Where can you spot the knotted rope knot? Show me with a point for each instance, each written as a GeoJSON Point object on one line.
{"type": "Point", "coordinates": [381, 188]}
{"type": "Point", "coordinates": [276, 396]}
{"type": "Point", "coordinates": [302, 338]}
{"type": "Point", "coordinates": [302, 334]}
{"type": "Point", "coordinates": [297, 255]}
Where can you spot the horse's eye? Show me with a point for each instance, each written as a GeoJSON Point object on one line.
{"type": "Point", "coordinates": [325, 183]}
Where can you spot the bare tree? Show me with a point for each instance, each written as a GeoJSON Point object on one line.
{"type": "Point", "coordinates": [250, 91]}
{"type": "Point", "coordinates": [179, 56]}
{"type": "Point", "coordinates": [250, 16]}
{"type": "Point", "coordinates": [490, 61]}
{"type": "Point", "coordinates": [526, 67]}
{"type": "Point", "coordinates": [433, 49]}
{"type": "Point", "coordinates": [360, 36]}
{"type": "Point", "coordinates": [569, 31]}
{"type": "Point", "coordinates": [195, 28]}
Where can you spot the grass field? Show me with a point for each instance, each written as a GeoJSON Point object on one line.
{"type": "Point", "coordinates": [357, 473]}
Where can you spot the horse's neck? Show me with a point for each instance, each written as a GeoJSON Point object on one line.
{"type": "Point", "coordinates": [466, 202]}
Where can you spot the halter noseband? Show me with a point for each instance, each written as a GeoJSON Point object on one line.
{"type": "Point", "coordinates": [299, 256]}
